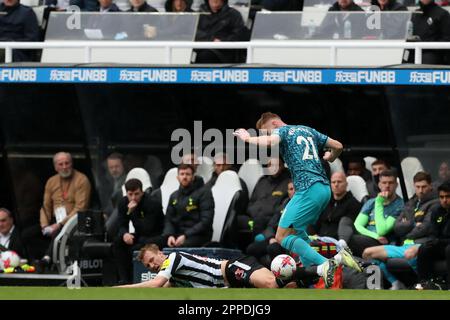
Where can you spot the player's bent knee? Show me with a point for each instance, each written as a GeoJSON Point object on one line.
{"type": "Point", "coordinates": [368, 253]}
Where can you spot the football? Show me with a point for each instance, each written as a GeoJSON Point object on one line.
{"type": "Point", "coordinates": [283, 266]}
{"type": "Point", "coordinates": [9, 259]}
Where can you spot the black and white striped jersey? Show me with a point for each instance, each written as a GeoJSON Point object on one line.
{"type": "Point", "coordinates": [187, 270]}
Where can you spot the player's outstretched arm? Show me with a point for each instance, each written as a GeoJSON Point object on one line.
{"type": "Point", "coordinates": [261, 140]}
{"type": "Point", "coordinates": [335, 150]}
{"type": "Point", "coordinates": [157, 282]}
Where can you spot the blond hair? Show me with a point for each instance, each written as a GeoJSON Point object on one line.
{"type": "Point", "coordinates": [266, 116]}
{"type": "Point", "coordinates": [148, 247]}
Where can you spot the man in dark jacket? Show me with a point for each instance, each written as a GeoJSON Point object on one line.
{"type": "Point", "coordinates": [18, 24]}
{"type": "Point", "coordinates": [438, 248]}
{"type": "Point", "coordinates": [413, 223]}
{"type": "Point", "coordinates": [222, 24]}
{"type": "Point", "coordinates": [265, 247]}
{"type": "Point", "coordinates": [190, 212]}
{"type": "Point", "coordinates": [147, 217]}
{"type": "Point", "coordinates": [178, 6]}
{"type": "Point", "coordinates": [335, 24]}
{"type": "Point", "coordinates": [389, 5]}
{"type": "Point", "coordinates": [221, 164]}
{"type": "Point", "coordinates": [141, 6]}
{"type": "Point", "coordinates": [269, 193]}
{"type": "Point", "coordinates": [342, 204]}
{"type": "Point", "coordinates": [9, 234]}
{"type": "Point", "coordinates": [108, 6]}
{"type": "Point", "coordinates": [431, 23]}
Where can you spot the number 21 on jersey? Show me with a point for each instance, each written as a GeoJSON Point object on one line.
{"type": "Point", "coordinates": [309, 145]}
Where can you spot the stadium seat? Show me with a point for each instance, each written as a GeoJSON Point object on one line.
{"type": "Point", "coordinates": [336, 166]}
{"type": "Point", "coordinates": [357, 186]}
{"type": "Point", "coordinates": [250, 171]}
{"type": "Point", "coordinates": [369, 160]}
{"type": "Point", "coordinates": [205, 169]}
{"type": "Point", "coordinates": [410, 166]}
{"type": "Point", "coordinates": [142, 175]}
{"type": "Point", "coordinates": [169, 186]}
{"type": "Point", "coordinates": [225, 192]}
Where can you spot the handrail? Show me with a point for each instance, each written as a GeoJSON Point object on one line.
{"type": "Point", "coordinates": [334, 45]}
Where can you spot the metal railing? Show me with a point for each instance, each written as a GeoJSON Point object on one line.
{"type": "Point", "coordinates": [333, 45]}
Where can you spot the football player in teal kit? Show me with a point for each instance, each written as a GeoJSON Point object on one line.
{"type": "Point", "coordinates": [299, 146]}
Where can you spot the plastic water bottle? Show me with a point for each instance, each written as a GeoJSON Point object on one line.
{"type": "Point", "coordinates": [347, 29]}
{"type": "Point", "coordinates": [311, 29]}
{"type": "Point", "coordinates": [409, 30]}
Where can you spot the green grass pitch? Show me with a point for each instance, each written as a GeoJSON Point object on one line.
{"type": "Point", "coordinates": [59, 293]}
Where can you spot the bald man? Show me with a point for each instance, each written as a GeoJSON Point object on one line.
{"type": "Point", "coordinates": [342, 204]}
{"type": "Point", "coordinates": [66, 193]}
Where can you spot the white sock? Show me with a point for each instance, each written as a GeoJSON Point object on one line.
{"type": "Point", "coordinates": [320, 269]}
{"type": "Point", "coordinates": [338, 258]}
{"type": "Point", "coordinates": [342, 243]}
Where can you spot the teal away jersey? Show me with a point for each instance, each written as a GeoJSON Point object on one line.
{"type": "Point", "coordinates": [299, 148]}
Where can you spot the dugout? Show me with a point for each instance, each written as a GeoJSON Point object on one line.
{"type": "Point", "coordinates": [406, 114]}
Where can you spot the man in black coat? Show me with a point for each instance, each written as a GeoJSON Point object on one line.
{"type": "Point", "coordinates": [222, 24]}
{"type": "Point", "coordinates": [145, 212]}
{"type": "Point", "coordinates": [431, 23]}
{"type": "Point", "coordinates": [9, 234]}
{"type": "Point", "coordinates": [18, 24]}
{"type": "Point", "coordinates": [438, 248]}
{"type": "Point", "coordinates": [342, 204]}
{"type": "Point", "coordinates": [336, 22]}
{"type": "Point", "coordinates": [190, 212]}
{"type": "Point", "coordinates": [269, 193]}
{"type": "Point", "coordinates": [141, 6]}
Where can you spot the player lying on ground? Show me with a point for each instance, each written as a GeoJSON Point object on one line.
{"type": "Point", "coordinates": [181, 269]}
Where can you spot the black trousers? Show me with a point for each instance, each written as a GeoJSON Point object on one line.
{"type": "Point", "coordinates": [359, 242]}
{"type": "Point", "coordinates": [265, 252]}
{"type": "Point", "coordinates": [427, 256]}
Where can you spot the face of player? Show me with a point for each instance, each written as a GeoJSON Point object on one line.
{"type": "Point", "coordinates": [63, 165]}
{"type": "Point", "coordinates": [185, 177]}
{"type": "Point", "coordinates": [444, 199]}
{"type": "Point", "coordinates": [338, 184]}
{"type": "Point", "coordinates": [137, 3]}
{"type": "Point", "coordinates": [291, 190]}
{"type": "Point", "coordinates": [135, 195]}
{"type": "Point", "coordinates": [178, 5]}
{"type": "Point", "coordinates": [153, 261]}
{"type": "Point", "coordinates": [190, 159]}
{"type": "Point", "coordinates": [6, 223]}
{"type": "Point", "coordinates": [444, 171]}
{"type": "Point", "coordinates": [115, 167]}
{"type": "Point", "coordinates": [10, 3]}
{"type": "Point", "coordinates": [344, 3]}
{"type": "Point", "coordinates": [422, 188]}
{"type": "Point", "coordinates": [383, 3]}
{"type": "Point", "coordinates": [215, 5]}
{"type": "Point", "coordinates": [388, 184]}
{"type": "Point", "coordinates": [426, 2]}
{"type": "Point", "coordinates": [105, 3]}
{"type": "Point", "coordinates": [354, 169]}
{"type": "Point", "coordinates": [377, 168]}
{"type": "Point", "coordinates": [220, 165]}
